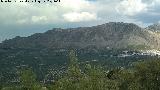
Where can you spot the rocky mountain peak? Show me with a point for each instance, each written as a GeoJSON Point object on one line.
{"type": "Point", "coordinates": [154, 27]}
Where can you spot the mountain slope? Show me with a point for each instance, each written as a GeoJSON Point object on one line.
{"type": "Point", "coordinates": [109, 35]}
{"type": "Point", "coordinates": [103, 44]}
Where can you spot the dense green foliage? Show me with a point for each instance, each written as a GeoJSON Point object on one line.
{"type": "Point", "coordinates": [142, 76]}
{"type": "Point", "coordinates": [45, 61]}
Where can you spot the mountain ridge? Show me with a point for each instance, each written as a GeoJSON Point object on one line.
{"type": "Point", "coordinates": [108, 35]}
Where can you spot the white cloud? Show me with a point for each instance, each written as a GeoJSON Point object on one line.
{"type": "Point", "coordinates": [131, 7]}
{"type": "Point", "coordinates": [41, 19]}
{"type": "Point", "coordinates": [155, 2]}
{"type": "Point", "coordinates": [73, 11]}
{"type": "Point", "coordinates": [22, 21]}
{"type": "Point", "coordinates": [78, 17]}
{"type": "Point", "coordinates": [76, 5]}
{"type": "Point", "coordinates": [22, 13]}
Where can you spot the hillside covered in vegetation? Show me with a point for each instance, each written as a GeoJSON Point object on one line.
{"type": "Point", "coordinates": [143, 75]}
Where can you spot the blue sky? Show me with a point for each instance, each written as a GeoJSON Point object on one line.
{"type": "Point", "coordinates": [23, 19]}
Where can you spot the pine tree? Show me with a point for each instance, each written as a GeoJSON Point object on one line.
{"type": "Point", "coordinates": [73, 75]}
{"type": "Point", "coordinates": [28, 80]}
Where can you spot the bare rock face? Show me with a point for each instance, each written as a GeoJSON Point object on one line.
{"type": "Point", "coordinates": [109, 35]}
